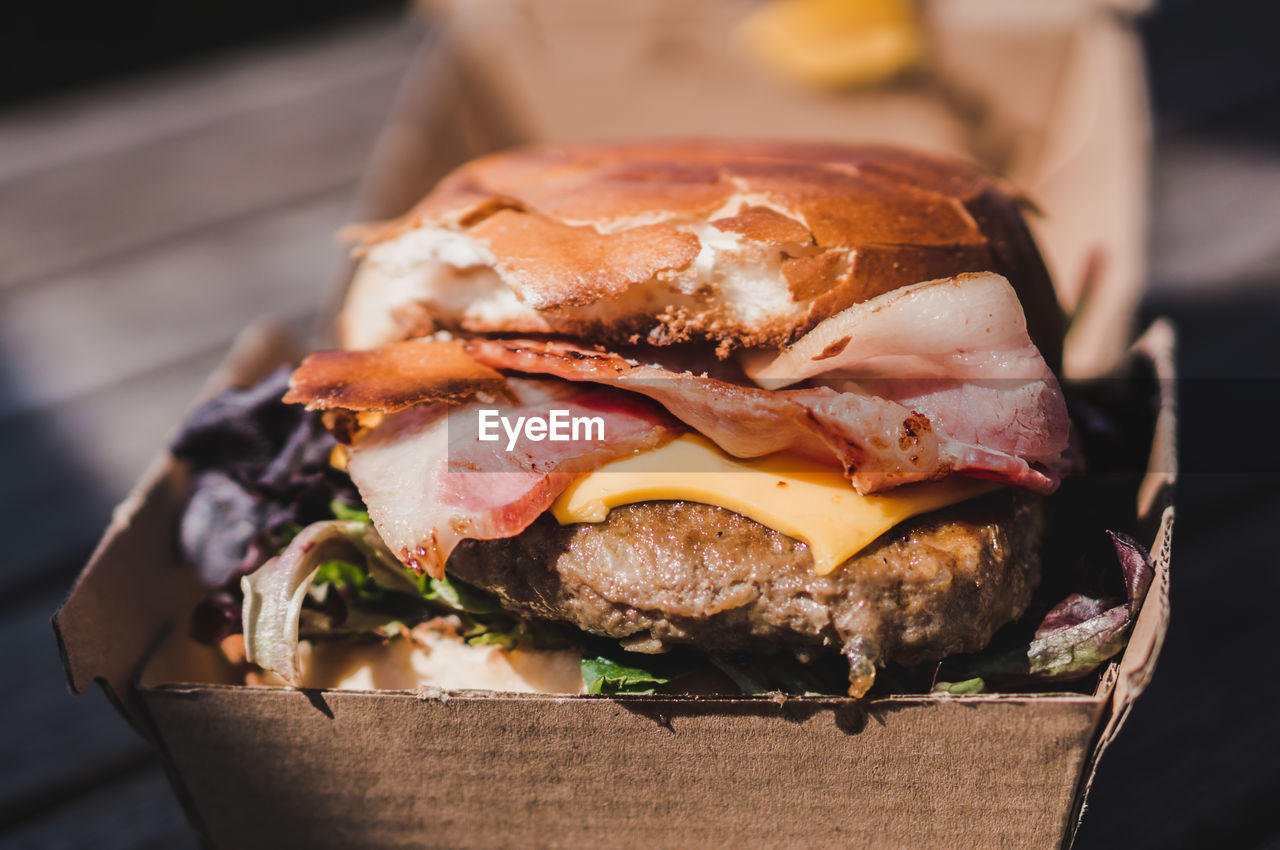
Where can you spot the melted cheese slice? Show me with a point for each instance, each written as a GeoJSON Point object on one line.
{"type": "Point", "coordinates": [791, 494]}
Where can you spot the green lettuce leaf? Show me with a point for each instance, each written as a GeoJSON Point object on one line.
{"type": "Point", "coordinates": [344, 575]}
{"type": "Point", "coordinates": [605, 676]}
{"type": "Point", "coordinates": [456, 595]}
{"type": "Point", "coordinates": [341, 510]}
{"type": "Point", "coordinates": [349, 599]}
{"type": "Point", "coordinates": [968, 686]}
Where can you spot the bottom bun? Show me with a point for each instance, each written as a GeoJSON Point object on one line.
{"type": "Point", "coordinates": [427, 658]}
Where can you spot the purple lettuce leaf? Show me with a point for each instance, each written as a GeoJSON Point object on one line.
{"type": "Point", "coordinates": [1071, 612]}
{"type": "Point", "coordinates": [260, 472]}
{"type": "Point", "coordinates": [1076, 636]}
{"type": "Point", "coordinates": [1070, 651]}
{"type": "Point", "coordinates": [240, 430]}
{"type": "Point", "coordinates": [1135, 561]}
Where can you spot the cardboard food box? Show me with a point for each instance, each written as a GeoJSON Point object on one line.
{"type": "Point", "coordinates": [1051, 94]}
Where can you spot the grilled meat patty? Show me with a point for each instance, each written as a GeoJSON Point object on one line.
{"type": "Point", "coordinates": [662, 573]}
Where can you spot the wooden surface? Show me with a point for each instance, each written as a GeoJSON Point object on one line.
{"type": "Point", "coordinates": [142, 226]}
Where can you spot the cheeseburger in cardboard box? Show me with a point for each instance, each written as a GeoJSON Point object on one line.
{"type": "Point", "coordinates": [759, 440]}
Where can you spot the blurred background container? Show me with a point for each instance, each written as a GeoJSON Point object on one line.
{"type": "Point", "coordinates": [170, 171]}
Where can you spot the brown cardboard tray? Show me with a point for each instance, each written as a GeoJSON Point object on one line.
{"type": "Point", "coordinates": [270, 767]}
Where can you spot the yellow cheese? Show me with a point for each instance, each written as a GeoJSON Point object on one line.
{"type": "Point", "coordinates": [799, 497]}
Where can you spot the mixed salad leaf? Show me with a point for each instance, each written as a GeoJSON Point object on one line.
{"type": "Point", "coordinates": [337, 578]}
{"type": "Point", "coordinates": [274, 594]}
{"type": "Point", "coordinates": [260, 473]}
{"type": "Point", "coordinates": [602, 675]}
{"type": "Point", "coordinates": [1074, 639]}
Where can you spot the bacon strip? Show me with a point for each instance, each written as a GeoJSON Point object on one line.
{"type": "Point", "coordinates": [957, 350]}
{"type": "Point", "coordinates": [968, 327]}
{"type": "Point", "coordinates": [930, 379]}
{"type": "Point", "coordinates": [392, 377]}
{"type": "Point", "coordinates": [879, 442]}
{"type": "Point", "coordinates": [429, 483]}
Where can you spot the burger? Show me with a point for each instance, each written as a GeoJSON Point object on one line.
{"type": "Point", "coordinates": [618, 416]}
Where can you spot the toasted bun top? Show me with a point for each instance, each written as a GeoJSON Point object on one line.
{"type": "Point", "coordinates": [738, 243]}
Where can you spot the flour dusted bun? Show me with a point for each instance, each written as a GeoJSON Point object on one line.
{"type": "Point", "coordinates": [735, 243]}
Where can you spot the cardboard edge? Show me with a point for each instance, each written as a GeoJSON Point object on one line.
{"type": "Point", "coordinates": [186, 799]}
{"type": "Point", "coordinates": [1130, 677]}
{"type": "Point", "coordinates": [432, 694]}
{"type": "Point", "coordinates": [157, 473]}
{"type": "Point", "coordinates": [1102, 291]}
{"type": "Point", "coordinates": [94, 598]}
{"type": "Point", "coordinates": [1159, 345]}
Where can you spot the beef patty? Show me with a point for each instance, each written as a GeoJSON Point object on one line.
{"type": "Point", "coordinates": [662, 573]}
